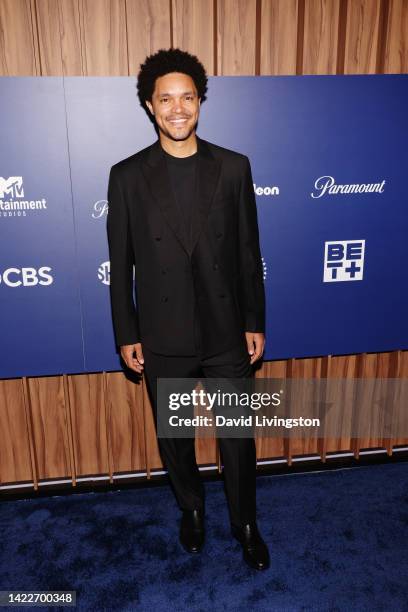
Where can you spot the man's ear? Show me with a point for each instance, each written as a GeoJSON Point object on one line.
{"type": "Point", "coordinates": [150, 107]}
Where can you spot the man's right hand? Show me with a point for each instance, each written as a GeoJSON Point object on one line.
{"type": "Point", "coordinates": [133, 363]}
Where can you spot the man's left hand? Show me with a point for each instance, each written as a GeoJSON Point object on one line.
{"type": "Point", "coordinates": [256, 345]}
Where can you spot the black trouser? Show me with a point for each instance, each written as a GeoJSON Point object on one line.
{"type": "Point", "coordinates": [238, 455]}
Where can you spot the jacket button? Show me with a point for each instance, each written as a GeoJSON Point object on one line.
{"type": "Point", "coordinates": [164, 298]}
{"type": "Point", "coordinates": [222, 295]}
{"type": "Point", "coordinates": [219, 234]}
{"type": "Point", "coordinates": [158, 238]}
{"type": "Point", "coordinates": [215, 266]}
{"type": "Point", "coordinates": [164, 271]}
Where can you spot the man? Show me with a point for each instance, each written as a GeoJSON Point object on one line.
{"type": "Point", "coordinates": [183, 212]}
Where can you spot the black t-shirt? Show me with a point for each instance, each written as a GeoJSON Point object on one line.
{"type": "Point", "coordinates": [183, 176]}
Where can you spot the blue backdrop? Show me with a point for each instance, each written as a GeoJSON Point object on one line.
{"type": "Point", "coordinates": [329, 159]}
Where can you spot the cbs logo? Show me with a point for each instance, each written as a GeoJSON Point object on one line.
{"type": "Point", "coordinates": [26, 277]}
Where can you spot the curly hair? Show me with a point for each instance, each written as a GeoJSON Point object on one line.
{"type": "Point", "coordinates": [165, 61]}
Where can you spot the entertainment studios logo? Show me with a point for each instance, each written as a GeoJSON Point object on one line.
{"type": "Point", "coordinates": [12, 199]}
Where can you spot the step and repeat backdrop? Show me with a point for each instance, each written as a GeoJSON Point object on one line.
{"type": "Point", "coordinates": [329, 162]}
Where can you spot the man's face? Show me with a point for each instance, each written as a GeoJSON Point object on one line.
{"type": "Point", "coordinates": [175, 105]}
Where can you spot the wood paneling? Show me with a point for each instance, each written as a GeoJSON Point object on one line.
{"type": "Point", "coordinates": [148, 28]}
{"type": "Point", "coordinates": [71, 36]}
{"type": "Point", "coordinates": [320, 36]}
{"type": "Point", "coordinates": [126, 423]}
{"type": "Point", "coordinates": [278, 52]}
{"type": "Point", "coordinates": [87, 408]}
{"type": "Point", "coordinates": [362, 33]}
{"type": "Point", "coordinates": [236, 29]}
{"type": "Point", "coordinates": [49, 422]}
{"type": "Point", "coordinates": [49, 37]}
{"type": "Point", "coordinates": [19, 55]}
{"type": "Point", "coordinates": [189, 33]}
{"type": "Point", "coordinates": [396, 46]}
{"type": "Point", "coordinates": [15, 459]}
{"type": "Point", "coordinates": [72, 426]}
{"type": "Point", "coordinates": [104, 41]}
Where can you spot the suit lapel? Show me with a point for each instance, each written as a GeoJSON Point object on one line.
{"type": "Point", "coordinates": [156, 174]}
{"type": "Point", "coordinates": [208, 173]}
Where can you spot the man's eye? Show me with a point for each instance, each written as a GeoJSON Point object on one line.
{"type": "Point", "coordinates": [189, 97]}
{"type": "Point", "coordinates": [164, 100]}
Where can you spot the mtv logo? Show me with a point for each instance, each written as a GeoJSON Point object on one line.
{"type": "Point", "coordinates": [343, 260]}
{"type": "Point", "coordinates": [13, 186]}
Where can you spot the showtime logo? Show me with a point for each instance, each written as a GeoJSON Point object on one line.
{"type": "Point", "coordinates": [104, 272]}
{"type": "Point", "coordinates": [26, 277]}
{"type": "Point", "coordinates": [266, 191]}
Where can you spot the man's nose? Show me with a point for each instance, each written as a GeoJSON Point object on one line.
{"type": "Point", "coordinates": [177, 106]}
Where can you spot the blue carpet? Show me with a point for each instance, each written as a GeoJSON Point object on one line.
{"type": "Point", "coordinates": [338, 542]}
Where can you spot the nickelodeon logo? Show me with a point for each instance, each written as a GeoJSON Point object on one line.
{"type": "Point", "coordinates": [266, 191]}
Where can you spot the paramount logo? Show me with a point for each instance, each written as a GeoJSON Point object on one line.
{"type": "Point", "coordinates": [100, 208]}
{"type": "Point", "coordinates": [327, 185]}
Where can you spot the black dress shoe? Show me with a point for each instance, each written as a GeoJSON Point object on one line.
{"type": "Point", "coordinates": [255, 551]}
{"type": "Point", "coordinates": [192, 532]}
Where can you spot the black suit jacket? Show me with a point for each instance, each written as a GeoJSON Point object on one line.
{"type": "Point", "coordinates": [221, 276]}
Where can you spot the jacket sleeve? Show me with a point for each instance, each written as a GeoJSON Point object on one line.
{"type": "Point", "coordinates": [252, 290]}
{"type": "Point", "coordinates": [124, 313]}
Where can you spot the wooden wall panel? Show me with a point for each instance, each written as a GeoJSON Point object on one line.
{"type": "Point", "coordinates": [304, 369]}
{"type": "Point", "coordinates": [60, 38]}
{"type": "Point", "coordinates": [148, 29]}
{"type": "Point", "coordinates": [104, 37]}
{"type": "Point", "coordinates": [49, 37]}
{"type": "Point", "coordinates": [49, 421]}
{"type": "Point", "coordinates": [15, 459]}
{"type": "Point", "coordinates": [402, 372]}
{"type": "Point", "coordinates": [362, 33]}
{"type": "Point", "coordinates": [19, 55]}
{"type": "Point", "coordinates": [189, 33]}
{"type": "Point", "coordinates": [70, 28]}
{"type": "Point", "coordinates": [340, 367]}
{"type": "Point", "coordinates": [320, 39]}
{"type": "Point", "coordinates": [87, 408]}
{"type": "Point", "coordinates": [279, 53]}
{"type": "Point", "coordinates": [396, 46]}
{"type": "Point", "coordinates": [236, 31]}
{"type": "Point", "coordinates": [126, 423]}
{"type": "Point", "coordinates": [71, 426]}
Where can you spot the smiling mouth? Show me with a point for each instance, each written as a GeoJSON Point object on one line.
{"type": "Point", "coordinates": [178, 121]}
